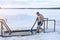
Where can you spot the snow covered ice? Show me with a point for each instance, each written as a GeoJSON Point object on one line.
{"type": "Point", "coordinates": [49, 35]}
{"type": "Point", "coordinates": [26, 20]}
{"type": "Point", "coordinates": [41, 36]}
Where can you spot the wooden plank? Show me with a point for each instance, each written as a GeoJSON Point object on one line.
{"type": "Point", "coordinates": [1, 29]}
{"type": "Point", "coordinates": [7, 27]}
{"type": "Point", "coordinates": [20, 30]}
{"type": "Point", "coordinates": [17, 35]}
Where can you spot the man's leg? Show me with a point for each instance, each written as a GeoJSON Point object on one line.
{"type": "Point", "coordinates": [38, 29]}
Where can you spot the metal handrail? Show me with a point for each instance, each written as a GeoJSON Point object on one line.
{"type": "Point", "coordinates": [33, 26]}
{"type": "Point", "coordinates": [54, 24]}
{"type": "Point", "coordinates": [35, 23]}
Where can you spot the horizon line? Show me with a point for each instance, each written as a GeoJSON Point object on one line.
{"type": "Point", "coordinates": [33, 8]}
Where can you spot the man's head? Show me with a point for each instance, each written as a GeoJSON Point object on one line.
{"type": "Point", "coordinates": [37, 13]}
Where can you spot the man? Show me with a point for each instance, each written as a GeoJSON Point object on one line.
{"type": "Point", "coordinates": [39, 20]}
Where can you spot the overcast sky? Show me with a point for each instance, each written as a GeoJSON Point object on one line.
{"type": "Point", "coordinates": [27, 4]}
{"type": "Point", "coordinates": [30, 3]}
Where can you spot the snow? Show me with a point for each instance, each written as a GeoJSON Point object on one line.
{"type": "Point", "coordinates": [40, 36]}
{"type": "Point", "coordinates": [49, 35]}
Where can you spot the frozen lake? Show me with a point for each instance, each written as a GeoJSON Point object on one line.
{"type": "Point", "coordinates": [24, 19]}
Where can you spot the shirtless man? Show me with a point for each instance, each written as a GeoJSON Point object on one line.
{"type": "Point", "coordinates": [39, 20]}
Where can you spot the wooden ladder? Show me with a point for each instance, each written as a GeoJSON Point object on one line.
{"type": "Point", "coordinates": [3, 23]}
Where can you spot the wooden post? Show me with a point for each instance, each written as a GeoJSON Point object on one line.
{"type": "Point", "coordinates": [1, 28]}
{"type": "Point", "coordinates": [7, 27]}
